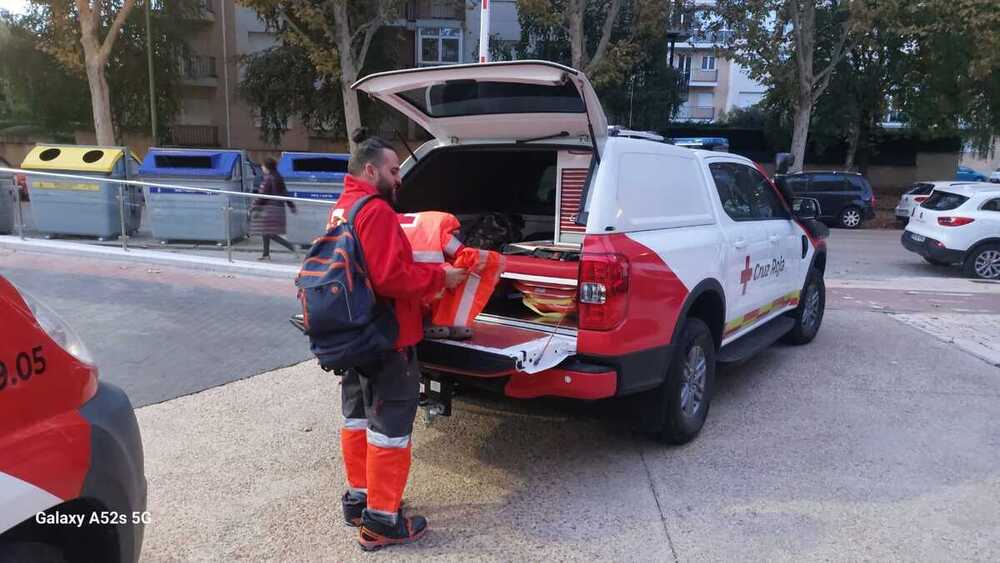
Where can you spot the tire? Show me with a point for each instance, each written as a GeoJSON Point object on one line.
{"type": "Point", "coordinates": [983, 262]}
{"type": "Point", "coordinates": [851, 217]}
{"type": "Point", "coordinates": [902, 223]}
{"type": "Point", "coordinates": [36, 552]}
{"type": "Point", "coordinates": [936, 262]}
{"type": "Point", "coordinates": [809, 314]}
{"type": "Point", "coordinates": [684, 409]}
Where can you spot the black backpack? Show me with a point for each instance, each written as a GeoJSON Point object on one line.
{"type": "Point", "coordinates": [346, 323]}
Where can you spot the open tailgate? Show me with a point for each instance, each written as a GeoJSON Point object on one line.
{"type": "Point", "coordinates": [500, 347]}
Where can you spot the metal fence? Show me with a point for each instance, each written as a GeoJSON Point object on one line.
{"type": "Point", "coordinates": [229, 210]}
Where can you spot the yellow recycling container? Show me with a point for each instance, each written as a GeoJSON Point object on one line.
{"type": "Point", "coordinates": [85, 206]}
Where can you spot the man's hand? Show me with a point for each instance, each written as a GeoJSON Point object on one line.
{"type": "Point", "coordinates": [453, 277]}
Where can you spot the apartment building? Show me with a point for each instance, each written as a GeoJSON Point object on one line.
{"type": "Point", "coordinates": [212, 114]}
{"type": "Point", "coordinates": [715, 85]}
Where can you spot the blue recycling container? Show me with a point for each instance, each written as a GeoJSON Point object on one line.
{"type": "Point", "coordinates": [310, 175]}
{"type": "Point", "coordinates": [178, 214]}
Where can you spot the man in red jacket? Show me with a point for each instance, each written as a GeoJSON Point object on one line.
{"type": "Point", "coordinates": [379, 400]}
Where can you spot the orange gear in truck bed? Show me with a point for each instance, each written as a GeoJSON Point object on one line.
{"type": "Point", "coordinates": [432, 236]}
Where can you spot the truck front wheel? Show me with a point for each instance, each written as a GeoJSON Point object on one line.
{"type": "Point", "coordinates": [685, 395]}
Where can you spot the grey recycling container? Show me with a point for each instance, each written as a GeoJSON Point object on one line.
{"type": "Point", "coordinates": [8, 200]}
{"type": "Point", "coordinates": [311, 175]}
{"type": "Point", "coordinates": [178, 214]}
{"type": "Point", "coordinates": [86, 205]}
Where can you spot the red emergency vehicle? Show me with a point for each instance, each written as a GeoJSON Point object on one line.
{"type": "Point", "coordinates": [72, 486]}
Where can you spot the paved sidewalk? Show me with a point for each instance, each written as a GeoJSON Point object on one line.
{"type": "Point", "coordinates": [978, 335]}
{"type": "Point", "coordinates": [855, 447]}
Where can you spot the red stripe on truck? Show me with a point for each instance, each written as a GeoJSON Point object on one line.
{"type": "Point", "coordinates": [655, 300]}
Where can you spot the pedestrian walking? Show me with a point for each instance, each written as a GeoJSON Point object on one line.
{"type": "Point", "coordinates": [379, 399]}
{"type": "Point", "coordinates": [267, 216]}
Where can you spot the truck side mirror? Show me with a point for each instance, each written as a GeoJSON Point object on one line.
{"type": "Point", "coordinates": [806, 208]}
{"type": "Point", "coordinates": [783, 162]}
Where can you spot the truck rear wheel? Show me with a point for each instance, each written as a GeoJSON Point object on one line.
{"type": "Point", "coordinates": [685, 396]}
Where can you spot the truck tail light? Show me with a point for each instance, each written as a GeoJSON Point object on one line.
{"type": "Point", "coordinates": [603, 293]}
{"type": "Point", "coordinates": [954, 221]}
{"type": "Point", "coordinates": [920, 198]}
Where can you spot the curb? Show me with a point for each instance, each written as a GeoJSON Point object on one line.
{"type": "Point", "coordinates": [149, 256]}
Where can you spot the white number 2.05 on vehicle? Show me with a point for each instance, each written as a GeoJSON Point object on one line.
{"type": "Point", "coordinates": [639, 265]}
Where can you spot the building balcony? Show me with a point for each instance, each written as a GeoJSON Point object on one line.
{"type": "Point", "coordinates": [434, 10]}
{"type": "Point", "coordinates": [194, 136]}
{"type": "Point", "coordinates": [696, 113]}
{"type": "Point", "coordinates": [699, 77]}
{"type": "Point", "coordinates": [199, 70]}
{"type": "Point", "coordinates": [707, 39]}
{"type": "Point", "coordinates": [201, 11]}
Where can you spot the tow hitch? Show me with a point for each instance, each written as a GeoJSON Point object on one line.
{"type": "Point", "coordinates": [435, 396]}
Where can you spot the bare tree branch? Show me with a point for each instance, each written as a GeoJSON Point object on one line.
{"type": "Point", "coordinates": [116, 26]}
{"type": "Point", "coordinates": [822, 79]}
{"type": "Point", "coordinates": [602, 45]}
{"type": "Point", "coordinates": [369, 35]}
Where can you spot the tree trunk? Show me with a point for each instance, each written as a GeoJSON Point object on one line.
{"type": "Point", "coordinates": [100, 101]}
{"type": "Point", "coordinates": [95, 56]}
{"type": "Point", "coordinates": [349, 68]}
{"type": "Point", "coordinates": [853, 138]}
{"type": "Point", "coordinates": [800, 132]}
{"type": "Point", "coordinates": [352, 111]}
{"type": "Point", "coordinates": [574, 28]}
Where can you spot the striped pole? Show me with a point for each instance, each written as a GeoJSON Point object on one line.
{"type": "Point", "coordinates": [484, 32]}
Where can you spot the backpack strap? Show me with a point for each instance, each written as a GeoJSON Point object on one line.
{"type": "Point", "coordinates": [356, 208]}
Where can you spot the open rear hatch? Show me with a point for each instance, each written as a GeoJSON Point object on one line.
{"type": "Point", "coordinates": [505, 101]}
{"type": "Point", "coordinates": [509, 103]}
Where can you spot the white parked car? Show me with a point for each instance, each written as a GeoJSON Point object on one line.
{"type": "Point", "coordinates": [959, 224]}
{"type": "Point", "coordinates": [917, 194]}
{"type": "Point", "coordinates": [995, 176]}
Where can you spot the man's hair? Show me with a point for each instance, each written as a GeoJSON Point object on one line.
{"type": "Point", "coordinates": [369, 149]}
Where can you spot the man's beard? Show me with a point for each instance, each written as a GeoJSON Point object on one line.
{"type": "Point", "coordinates": [388, 190]}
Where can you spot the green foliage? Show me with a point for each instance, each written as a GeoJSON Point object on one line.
{"type": "Point", "coordinates": [282, 83]}
{"type": "Point", "coordinates": [47, 86]}
{"type": "Point", "coordinates": [634, 76]}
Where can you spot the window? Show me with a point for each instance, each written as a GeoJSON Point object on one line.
{"type": "Point", "coordinates": [921, 189]}
{"type": "Point", "coordinates": [828, 183]}
{"type": "Point", "coordinates": [991, 205]}
{"type": "Point", "coordinates": [708, 62]}
{"type": "Point", "coordinates": [483, 98]}
{"type": "Point", "coordinates": [944, 201]}
{"type": "Point", "coordinates": [797, 184]}
{"type": "Point", "coordinates": [684, 63]}
{"type": "Point", "coordinates": [704, 99]}
{"type": "Point", "coordinates": [439, 46]}
{"type": "Point", "coordinates": [745, 194]}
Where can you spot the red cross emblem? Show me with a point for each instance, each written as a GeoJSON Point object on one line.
{"type": "Point", "coordinates": [746, 275]}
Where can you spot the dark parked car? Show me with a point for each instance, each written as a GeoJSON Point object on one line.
{"type": "Point", "coordinates": [845, 198]}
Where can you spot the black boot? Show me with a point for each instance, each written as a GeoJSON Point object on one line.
{"type": "Point", "coordinates": [354, 504]}
{"type": "Point", "coordinates": [378, 532]}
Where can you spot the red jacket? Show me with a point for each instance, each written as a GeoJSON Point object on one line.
{"type": "Point", "coordinates": [393, 273]}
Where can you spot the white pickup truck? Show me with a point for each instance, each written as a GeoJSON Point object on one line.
{"type": "Point", "coordinates": [674, 259]}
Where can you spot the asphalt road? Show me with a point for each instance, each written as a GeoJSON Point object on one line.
{"type": "Point", "coordinates": [161, 332]}
{"type": "Point", "coordinates": [877, 254]}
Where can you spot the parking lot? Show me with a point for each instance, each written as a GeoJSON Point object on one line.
{"type": "Point", "coordinates": [878, 441]}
